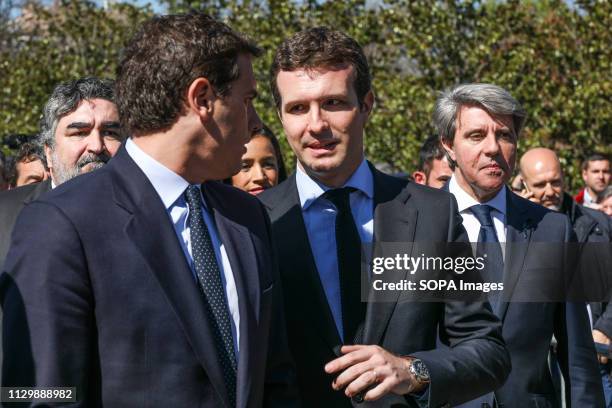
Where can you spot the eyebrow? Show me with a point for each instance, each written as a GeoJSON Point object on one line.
{"type": "Point", "coordinates": [87, 125]}
{"type": "Point", "coordinates": [79, 125]}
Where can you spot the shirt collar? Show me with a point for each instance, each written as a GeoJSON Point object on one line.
{"type": "Point", "coordinates": [310, 190]}
{"type": "Point", "coordinates": [465, 201]}
{"type": "Point", "coordinates": [169, 185]}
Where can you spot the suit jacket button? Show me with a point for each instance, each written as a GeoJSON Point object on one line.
{"type": "Point", "coordinates": [358, 398]}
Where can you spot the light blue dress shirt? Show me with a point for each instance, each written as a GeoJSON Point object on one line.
{"type": "Point", "coordinates": [320, 220]}
{"type": "Point", "coordinates": [171, 188]}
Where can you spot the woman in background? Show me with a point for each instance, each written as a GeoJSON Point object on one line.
{"type": "Point", "coordinates": [262, 165]}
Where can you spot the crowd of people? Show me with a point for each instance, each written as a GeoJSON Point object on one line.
{"type": "Point", "coordinates": [188, 268]}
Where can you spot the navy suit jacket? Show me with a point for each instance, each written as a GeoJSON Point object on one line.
{"type": "Point", "coordinates": [538, 264]}
{"type": "Point", "coordinates": [476, 361]}
{"type": "Point", "coordinates": [97, 294]}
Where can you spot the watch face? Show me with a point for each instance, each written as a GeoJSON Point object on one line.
{"type": "Point", "coordinates": [419, 370]}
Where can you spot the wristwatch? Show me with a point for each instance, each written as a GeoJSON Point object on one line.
{"type": "Point", "coordinates": [419, 370]}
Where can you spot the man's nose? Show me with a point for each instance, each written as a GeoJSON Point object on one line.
{"type": "Point", "coordinates": [548, 190]}
{"type": "Point", "coordinates": [255, 123]}
{"type": "Point", "coordinates": [316, 121]}
{"type": "Point", "coordinates": [491, 145]}
{"type": "Point", "coordinates": [95, 142]}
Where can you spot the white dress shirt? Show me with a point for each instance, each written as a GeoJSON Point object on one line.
{"type": "Point", "coordinates": [171, 188]}
{"type": "Point", "coordinates": [320, 220]}
{"type": "Point", "coordinates": [470, 222]}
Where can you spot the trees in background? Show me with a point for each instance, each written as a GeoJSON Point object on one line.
{"type": "Point", "coordinates": [553, 57]}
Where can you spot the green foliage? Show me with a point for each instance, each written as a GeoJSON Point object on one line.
{"type": "Point", "coordinates": [48, 45]}
{"type": "Point", "coordinates": [553, 58]}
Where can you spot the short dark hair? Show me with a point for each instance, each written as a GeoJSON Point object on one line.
{"type": "Point", "coordinates": [430, 151]}
{"type": "Point", "coordinates": [28, 152]}
{"type": "Point", "coordinates": [594, 157]}
{"type": "Point", "coordinates": [321, 47]}
{"type": "Point", "coordinates": [164, 57]}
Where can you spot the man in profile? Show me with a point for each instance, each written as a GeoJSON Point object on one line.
{"type": "Point", "coordinates": [434, 170]}
{"type": "Point", "coordinates": [348, 351]}
{"type": "Point", "coordinates": [153, 285]}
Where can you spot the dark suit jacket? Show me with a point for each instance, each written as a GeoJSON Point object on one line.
{"type": "Point", "coordinates": [107, 302]}
{"type": "Point", "coordinates": [594, 231]}
{"type": "Point", "coordinates": [536, 260]}
{"type": "Point", "coordinates": [11, 204]}
{"type": "Point", "coordinates": [476, 362]}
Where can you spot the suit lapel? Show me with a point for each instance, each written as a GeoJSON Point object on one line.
{"type": "Point", "coordinates": [153, 235]}
{"type": "Point", "coordinates": [39, 190]}
{"type": "Point", "coordinates": [289, 222]}
{"type": "Point", "coordinates": [238, 245]}
{"type": "Point", "coordinates": [393, 222]}
{"type": "Point", "coordinates": [518, 234]}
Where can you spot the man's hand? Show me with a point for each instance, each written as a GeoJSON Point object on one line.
{"type": "Point", "coordinates": [600, 337]}
{"type": "Point", "coordinates": [372, 367]}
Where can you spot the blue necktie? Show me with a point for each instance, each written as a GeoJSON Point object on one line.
{"type": "Point", "coordinates": [209, 277]}
{"type": "Point", "coordinates": [489, 244]}
{"type": "Point", "coordinates": [348, 248]}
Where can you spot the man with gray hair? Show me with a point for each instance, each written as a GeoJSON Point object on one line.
{"type": "Point", "coordinates": [79, 132]}
{"type": "Point", "coordinates": [479, 125]}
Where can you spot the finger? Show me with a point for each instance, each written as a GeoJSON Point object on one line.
{"type": "Point", "coordinates": [349, 359]}
{"type": "Point", "coordinates": [362, 383]}
{"type": "Point", "coordinates": [603, 360]}
{"type": "Point", "coordinates": [352, 373]}
{"type": "Point", "coordinates": [380, 390]}
{"type": "Point", "coordinates": [351, 348]}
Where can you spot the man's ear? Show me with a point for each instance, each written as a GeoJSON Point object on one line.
{"type": "Point", "coordinates": [49, 157]}
{"type": "Point", "coordinates": [450, 153]}
{"type": "Point", "coordinates": [368, 102]}
{"type": "Point", "coordinates": [200, 97]}
{"type": "Point", "coordinates": [419, 177]}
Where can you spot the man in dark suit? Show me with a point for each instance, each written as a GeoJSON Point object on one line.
{"type": "Point", "coordinates": [543, 183]}
{"type": "Point", "coordinates": [320, 216]}
{"type": "Point", "coordinates": [479, 125]}
{"type": "Point", "coordinates": [151, 285]}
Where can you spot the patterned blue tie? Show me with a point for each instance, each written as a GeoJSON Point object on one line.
{"type": "Point", "coordinates": [489, 244]}
{"type": "Point", "coordinates": [209, 276]}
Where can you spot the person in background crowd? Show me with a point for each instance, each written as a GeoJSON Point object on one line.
{"type": "Point", "coordinates": [605, 201]}
{"type": "Point", "coordinates": [80, 125]}
{"type": "Point", "coordinates": [28, 166]}
{"type": "Point", "coordinates": [262, 165]}
{"type": "Point", "coordinates": [596, 176]}
{"type": "Point", "coordinates": [4, 182]}
{"type": "Point", "coordinates": [433, 170]}
{"type": "Point", "coordinates": [544, 184]}
{"type": "Point", "coordinates": [348, 351]}
{"type": "Point", "coordinates": [79, 131]}
{"type": "Point", "coordinates": [479, 125]}
{"type": "Point", "coordinates": [149, 283]}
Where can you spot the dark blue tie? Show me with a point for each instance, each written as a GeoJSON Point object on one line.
{"type": "Point", "coordinates": [209, 277]}
{"type": "Point", "coordinates": [348, 249]}
{"type": "Point", "coordinates": [489, 244]}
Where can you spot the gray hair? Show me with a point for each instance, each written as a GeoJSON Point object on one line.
{"type": "Point", "coordinates": [607, 192]}
{"type": "Point", "coordinates": [66, 97]}
{"type": "Point", "coordinates": [492, 98]}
